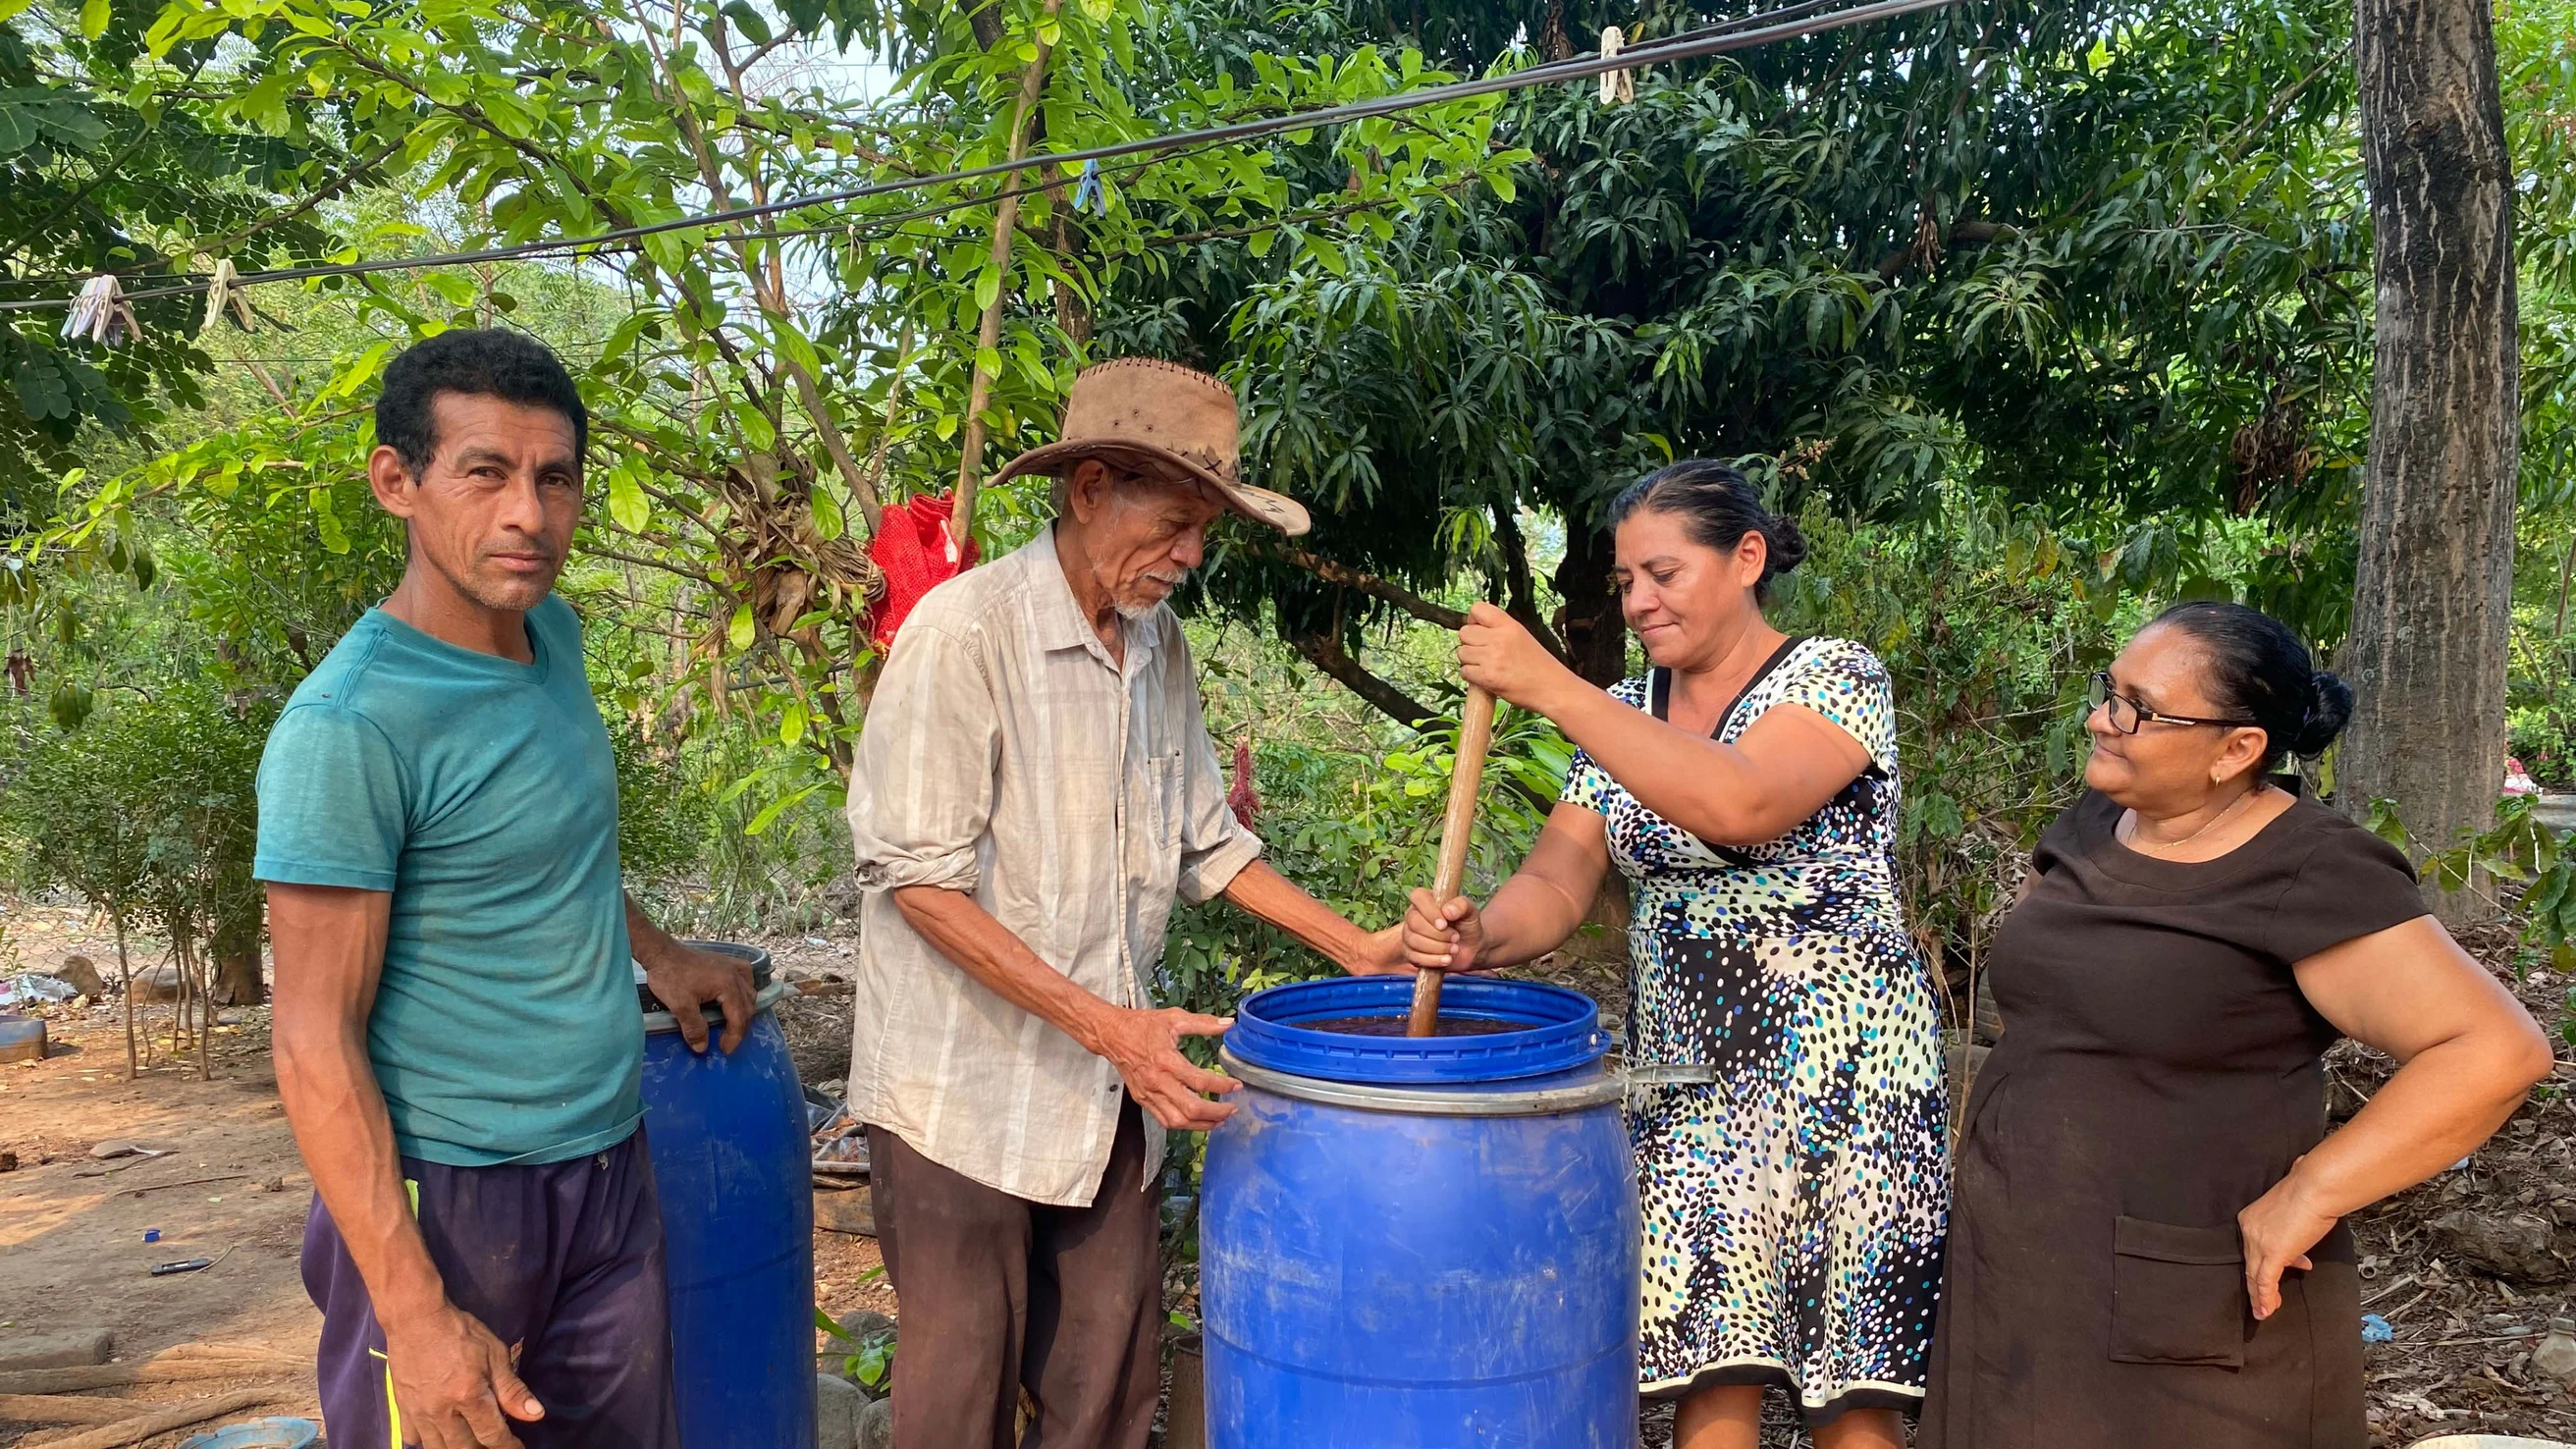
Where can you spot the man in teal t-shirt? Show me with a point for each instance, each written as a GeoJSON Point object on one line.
{"type": "Point", "coordinates": [457, 1037]}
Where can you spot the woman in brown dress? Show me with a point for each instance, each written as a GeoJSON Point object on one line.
{"type": "Point", "coordinates": [2147, 1246]}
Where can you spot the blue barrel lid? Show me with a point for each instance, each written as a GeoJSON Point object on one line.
{"type": "Point", "coordinates": [1562, 1031]}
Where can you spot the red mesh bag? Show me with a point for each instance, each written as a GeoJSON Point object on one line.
{"type": "Point", "coordinates": [916, 553]}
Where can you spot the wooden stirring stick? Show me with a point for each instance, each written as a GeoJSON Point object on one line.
{"type": "Point", "coordinates": [1475, 735]}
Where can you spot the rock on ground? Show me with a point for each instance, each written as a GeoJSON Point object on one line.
{"type": "Point", "coordinates": [67, 1348]}
{"type": "Point", "coordinates": [846, 1210]}
{"type": "Point", "coordinates": [838, 1407]}
{"type": "Point", "coordinates": [861, 1325]}
{"type": "Point", "coordinates": [876, 1425]}
{"type": "Point", "coordinates": [156, 983]}
{"type": "Point", "coordinates": [81, 973]}
{"type": "Point", "coordinates": [2513, 1246]}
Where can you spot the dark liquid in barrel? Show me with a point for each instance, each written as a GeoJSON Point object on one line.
{"type": "Point", "coordinates": [1394, 1026]}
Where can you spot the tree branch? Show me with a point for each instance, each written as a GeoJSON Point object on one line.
{"type": "Point", "coordinates": [1371, 585]}
{"type": "Point", "coordinates": [988, 336]}
{"type": "Point", "coordinates": [766, 288]}
{"type": "Point", "coordinates": [1518, 586]}
{"type": "Point", "coordinates": [598, 551]}
{"type": "Point", "coordinates": [1325, 652]}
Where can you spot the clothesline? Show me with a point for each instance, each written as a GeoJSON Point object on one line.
{"type": "Point", "coordinates": [1791, 22]}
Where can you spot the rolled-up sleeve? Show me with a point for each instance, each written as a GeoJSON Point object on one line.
{"type": "Point", "coordinates": [1215, 847]}
{"type": "Point", "coordinates": [923, 790]}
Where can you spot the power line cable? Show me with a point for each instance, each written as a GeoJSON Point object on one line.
{"type": "Point", "coordinates": [1793, 22]}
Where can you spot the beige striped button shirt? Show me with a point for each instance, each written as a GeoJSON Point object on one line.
{"type": "Point", "coordinates": [1007, 756]}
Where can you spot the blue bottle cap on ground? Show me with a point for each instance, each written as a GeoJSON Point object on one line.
{"type": "Point", "coordinates": [281, 1432]}
{"type": "Point", "coordinates": [1548, 1029]}
{"type": "Point", "coordinates": [151, 1235]}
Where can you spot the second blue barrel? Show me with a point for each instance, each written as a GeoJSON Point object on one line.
{"type": "Point", "coordinates": [1422, 1242]}
{"type": "Point", "coordinates": [732, 1165]}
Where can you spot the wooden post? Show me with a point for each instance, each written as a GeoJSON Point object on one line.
{"type": "Point", "coordinates": [1457, 828]}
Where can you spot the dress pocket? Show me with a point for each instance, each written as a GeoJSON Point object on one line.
{"type": "Point", "coordinates": [2178, 1294]}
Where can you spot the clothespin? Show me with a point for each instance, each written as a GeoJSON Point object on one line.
{"type": "Point", "coordinates": [1618, 87]}
{"type": "Point", "coordinates": [101, 313]}
{"type": "Point", "coordinates": [223, 293]}
{"type": "Point", "coordinates": [1086, 192]}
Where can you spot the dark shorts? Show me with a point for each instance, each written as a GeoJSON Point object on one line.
{"type": "Point", "coordinates": [562, 1261]}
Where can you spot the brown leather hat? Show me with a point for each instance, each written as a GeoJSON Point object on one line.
{"type": "Point", "coordinates": [1162, 418]}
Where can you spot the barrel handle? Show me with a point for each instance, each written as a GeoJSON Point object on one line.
{"type": "Point", "coordinates": [767, 997]}
{"type": "Point", "coordinates": [1457, 830]}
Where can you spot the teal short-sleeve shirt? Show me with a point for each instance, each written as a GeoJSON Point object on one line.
{"type": "Point", "coordinates": [481, 794]}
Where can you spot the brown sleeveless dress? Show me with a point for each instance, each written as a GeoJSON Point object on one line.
{"type": "Point", "coordinates": [2159, 1070]}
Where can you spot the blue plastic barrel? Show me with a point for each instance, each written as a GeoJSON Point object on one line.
{"type": "Point", "coordinates": [732, 1164]}
{"type": "Point", "coordinates": [1423, 1242]}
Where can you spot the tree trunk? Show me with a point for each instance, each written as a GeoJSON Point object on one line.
{"type": "Point", "coordinates": [2432, 598]}
{"type": "Point", "coordinates": [1520, 586]}
{"type": "Point", "coordinates": [1595, 634]}
{"type": "Point", "coordinates": [125, 972]}
{"type": "Point", "coordinates": [237, 976]}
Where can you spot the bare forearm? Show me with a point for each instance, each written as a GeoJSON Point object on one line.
{"type": "Point", "coordinates": [649, 941]}
{"type": "Point", "coordinates": [1528, 917]}
{"type": "Point", "coordinates": [347, 1138]}
{"type": "Point", "coordinates": [2435, 1111]}
{"type": "Point", "coordinates": [1261, 891]}
{"type": "Point", "coordinates": [1707, 788]}
{"type": "Point", "coordinates": [985, 949]}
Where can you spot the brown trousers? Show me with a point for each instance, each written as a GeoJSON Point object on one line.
{"type": "Point", "coordinates": [1000, 1294]}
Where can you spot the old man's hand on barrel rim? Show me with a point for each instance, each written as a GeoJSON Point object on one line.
{"type": "Point", "coordinates": [1145, 1047]}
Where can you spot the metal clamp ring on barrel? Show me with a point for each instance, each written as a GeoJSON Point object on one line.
{"type": "Point", "coordinates": [769, 995]}
{"type": "Point", "coordinates": [1496, 1100]}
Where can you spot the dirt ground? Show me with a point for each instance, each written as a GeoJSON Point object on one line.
{"type": "Point", "coordinates": [72, 1253]}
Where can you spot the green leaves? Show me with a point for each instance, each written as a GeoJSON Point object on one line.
{"type": "Point", "coordinates": [2516, 848]}
{"type": "Point", "coordinates": [264, 104]}
{"type": "Point", "coordinates": [70, 704]}
{"type": "Point", "coordinates": [29, 114]}
{"type": "Point", "coordinates": [770, 812]}
{"type": "Point", "coordinates": [753, 26]}
{"type": "Point", "coordinates": [626, 501]}
{"type": "Point", "coordinates": [42, 391]}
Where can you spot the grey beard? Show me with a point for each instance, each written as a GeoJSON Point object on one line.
{"type": "Point", "coordinates": [1132, 611]}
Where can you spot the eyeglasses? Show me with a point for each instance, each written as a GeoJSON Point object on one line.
{"type": "Point", "coordinates": [2127, 714]}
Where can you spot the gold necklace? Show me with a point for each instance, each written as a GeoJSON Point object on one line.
{"type": "Point", "coordinates": [2136, 844]}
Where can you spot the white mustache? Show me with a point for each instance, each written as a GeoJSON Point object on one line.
{"type": "Point", "coordinates": [1139, 608]}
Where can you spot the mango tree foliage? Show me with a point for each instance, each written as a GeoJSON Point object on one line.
{"type": "Point", "coordinates": [2082, 255]}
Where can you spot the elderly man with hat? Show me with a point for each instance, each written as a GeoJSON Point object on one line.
{"type": "Point", "coordinates": [1034, 787]}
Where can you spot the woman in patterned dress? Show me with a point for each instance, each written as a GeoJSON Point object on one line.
{"type": "Point", "coordinates": [1789, 1121]}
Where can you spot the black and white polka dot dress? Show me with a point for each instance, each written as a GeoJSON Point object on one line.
{"type": "Point", "coordinates": [1796, 1193]}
